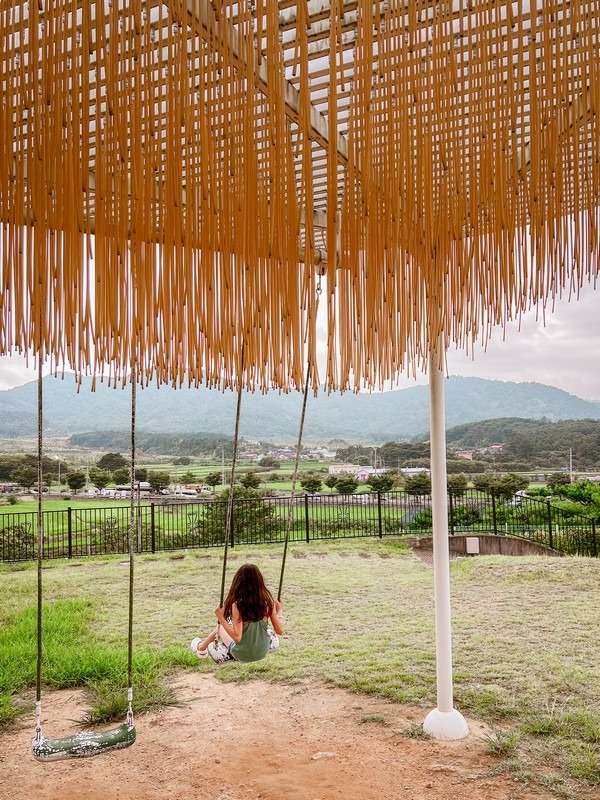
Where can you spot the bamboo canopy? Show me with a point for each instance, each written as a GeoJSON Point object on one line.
{"type": "Point", "coordinates": [174, 175]}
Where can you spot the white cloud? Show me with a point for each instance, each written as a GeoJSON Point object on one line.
{"type": "Point", "coordinates": [15, 371]}
{"type": "Point", "coordinates": [558, 351]}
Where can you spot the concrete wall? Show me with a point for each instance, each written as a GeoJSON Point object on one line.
{"type": "Point", "coordinates": [489, 545]}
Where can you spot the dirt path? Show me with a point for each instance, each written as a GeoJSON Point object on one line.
{"type": "Point", "coordinates": [259, 740]}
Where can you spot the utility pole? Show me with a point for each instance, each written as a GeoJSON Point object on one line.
{"type": "Point", "coordinates": [571, 464]}
{"type": "Point", "coordinates": [222, 466]}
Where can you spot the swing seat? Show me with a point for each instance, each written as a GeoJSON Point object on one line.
{"type": "Point", "coordinates": [84, 744]}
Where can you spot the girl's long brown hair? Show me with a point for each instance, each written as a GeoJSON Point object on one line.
{"type": "Point", "coordinates": [248, 591]}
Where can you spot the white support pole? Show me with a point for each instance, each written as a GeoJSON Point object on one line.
{"type": "Point", "coordinates": [444, 722]}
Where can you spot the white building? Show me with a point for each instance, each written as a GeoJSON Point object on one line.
{"type": "Point", "coordinates": [344, 469]}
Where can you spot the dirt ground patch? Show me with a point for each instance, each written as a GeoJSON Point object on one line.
{"type": "Point", "coordinates": [262, 741]}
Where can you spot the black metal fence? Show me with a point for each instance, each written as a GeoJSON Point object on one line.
{"type": "Point", "coordinates": [160, 526]}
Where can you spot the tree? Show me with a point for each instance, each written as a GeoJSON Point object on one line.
{"type": "Point", "coordinates": [49, 465]}
{"type": "Point", "coordinates": [252, 515]}
{"type": "Point", "coordinates": [183, 460]}
{"type": "Point", "coordinates": [418, 484]}
{"type": "Point", "coordinates": [346, 484]}
{"type": "Point", "coordinates": [250, 480]}
{"type": "Point", "coordinates": [112, 462]}
{"type": "Point", "coordinates": [310, 482]}
{"type": "Point", "coordinates": [457, 484]}
{"type": "Point", "coordinates": [141, 474]}
{"type": "Point", "coordinates": [331, 481]}
{"type": "Point", "coordinates": [519, 445]}
{"type": "Point", "coordinates": [8, 464]}
{"type": "Point", "coordinates": [582, 491]}
{"type": "Point", "coordinates": [213, 479]}
{"type": "Point", "coordinates": [76, 480]}
{"type": "Point", "coordinates": [509, 484]}
{"type": "Point", "coordinates": [381, 483]}
{"type": "Point", "coordinates": [188, 477]}
{"type": "Point", "coordinates": [558, 479]}
{"type": "Point", "coordinates": [354, 454]}
{"type": "Point", "coordinates": [484, 482]}
{"type": "Point", "coordinates": [159, 481]}
{"type": "Point", "coordinates": [121, 476]}
{"type": "Point", "coordinates": [99, 477]}
{"type": "Point", "coordinates": [270, 462]}
{"type": "Point", "coordinates": [25, 476]}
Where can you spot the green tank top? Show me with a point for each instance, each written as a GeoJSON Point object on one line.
{"type": "Point", "coordinates": [254, 644]}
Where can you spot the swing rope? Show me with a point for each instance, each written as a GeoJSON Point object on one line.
{"type": "Point", "coordinates": [229, 520]}
{"type": "Point", "coordinates": [85, 743]}
{"type": "Point", "coordinates": [40, 544]}
{"type": "Point", "coordinates": [230, 503]}
{"type": "Point", "coordinates": [288, 526]}
{"type": "Point", "coordinates": [129, 719]}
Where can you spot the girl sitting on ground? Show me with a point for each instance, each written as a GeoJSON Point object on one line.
{"type": "Point", "coordinates": [242, 633]}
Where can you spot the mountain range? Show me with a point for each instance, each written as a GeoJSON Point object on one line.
{"type": "Point", "coordinates": [377, 417]}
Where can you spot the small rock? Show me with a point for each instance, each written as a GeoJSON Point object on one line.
{"type": "Point", "coordinates": [323, 754]}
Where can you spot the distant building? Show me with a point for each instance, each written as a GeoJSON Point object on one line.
{"type": "Point", "coordinates": [468, 454]}
{"type": "Point", "coordinates": [344, 469]}
{"type": "Point", "coordinates": [285, 454]}
{"type": "Point", "coordinates": [364, 473]}
{"type": "Point", "coordinates": [321, 453]}
{"type": "Point", "coordinates": [360, 473]}
{"type": "Point", "coordinates": [493, 448]}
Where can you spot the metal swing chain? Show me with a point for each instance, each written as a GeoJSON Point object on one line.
{"type": "Point", "coordinates": [298, 448]}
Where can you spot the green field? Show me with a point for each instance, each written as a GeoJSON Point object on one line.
{"type": "Point", "coordinates": [359, 616]}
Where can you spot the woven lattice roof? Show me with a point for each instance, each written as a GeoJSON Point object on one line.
{"type": "Point", "coordinates": [174, 177]}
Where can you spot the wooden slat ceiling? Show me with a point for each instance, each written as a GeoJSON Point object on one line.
{"type": "Point", "coordinates": [418, 132]}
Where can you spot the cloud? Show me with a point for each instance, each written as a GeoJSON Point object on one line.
{"type": "Point", "coordinates": [558, 350]}
{"type": "Point", "coordinates": [15, 371]}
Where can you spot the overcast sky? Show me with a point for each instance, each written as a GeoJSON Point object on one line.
{"type": "Point", "coordinates": [560, 351]}
{"type": "Point", "coordinates": [563, 352]}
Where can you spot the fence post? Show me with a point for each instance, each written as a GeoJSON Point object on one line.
{"type": "Point", "coordinates": [306, 517]}
{"type": "Point", "coordinates": [550, 525]}
{"type": "Point", "coordinates": [495, 521]}
{"type": "Point", "coordinates": [451, 514]}
{"type": "Point", "coordinates": [594, 543]}
{"type": "Point", "coordinates": [152, 528]}
{"type": "Point", "coordinates": [70, 531]}
{"type": "Point", "coordinates": [379, 514]}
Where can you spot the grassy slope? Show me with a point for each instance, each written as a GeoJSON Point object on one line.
{"type": "Point", "coordinates": [359, 615]}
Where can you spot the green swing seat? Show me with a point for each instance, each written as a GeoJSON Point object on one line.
{"type": "Point", "coordinates": [83, 744]}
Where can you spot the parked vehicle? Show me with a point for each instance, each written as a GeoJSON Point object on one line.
{"type": "Point", "coordinates": [181, 491]}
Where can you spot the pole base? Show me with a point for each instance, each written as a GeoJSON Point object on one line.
{"type": "Point", "coordinates": [446, 724]}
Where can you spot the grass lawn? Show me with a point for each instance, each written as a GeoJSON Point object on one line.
{"type": "Point", "coordinates": [62, 504]}
{"type": "Point", "coordinates": [360, 616]}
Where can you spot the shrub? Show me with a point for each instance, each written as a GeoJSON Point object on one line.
{"type": "Point", "coordinates": [18, 542]}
